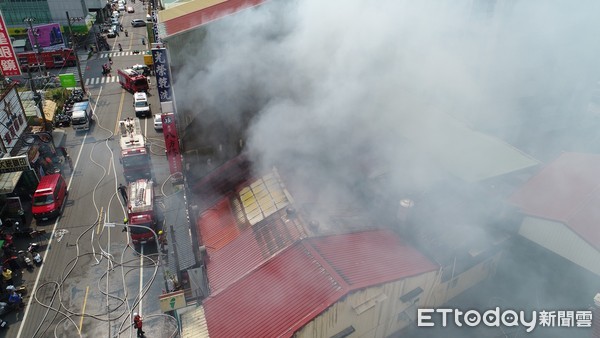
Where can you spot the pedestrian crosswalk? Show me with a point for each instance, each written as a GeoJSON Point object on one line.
{"type": "Point", "coordinates": [113, 54]}
{"type": "Point", "coordinates": [101, 80]}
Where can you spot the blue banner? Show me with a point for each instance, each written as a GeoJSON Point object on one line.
{"type": "Point", "coordinates": [163, 76]}
{"type": "Point", "coordinates": [155, 27]}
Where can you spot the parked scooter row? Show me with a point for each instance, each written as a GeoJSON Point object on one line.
{"type": "Point", "coordinates": [27, 233]}
{"type": "Point", "coordinates": [63, 118]}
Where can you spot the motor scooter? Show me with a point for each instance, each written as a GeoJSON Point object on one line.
{"type": "Point", "coordinates": [33, 247]}
{"type": "Point", "coordinates": [27, 259]}
{"type": "Point", "coordinates": [37, 259]}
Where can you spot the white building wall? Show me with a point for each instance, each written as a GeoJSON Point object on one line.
{"type": "Point", "coordinates": [58, 10]}
{"type": "Point", "coordinates": [444, 292]}
{"type": "Point", "coordinates": [372, 312]}
{"type": "Point", "coordinates": [558, 238]}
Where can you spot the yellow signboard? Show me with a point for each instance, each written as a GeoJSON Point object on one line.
{"type": "Point", "coordinates": [172, 301]}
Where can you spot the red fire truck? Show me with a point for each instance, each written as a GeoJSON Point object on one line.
{"type": "Point", "coordinates": [54, 59]}
{"type": "Point", "coordinates": [135, 156]}
{"type": "Point", "coordinates": [140, 211]}
{"type": "Point", "coordinates": [132, 81]}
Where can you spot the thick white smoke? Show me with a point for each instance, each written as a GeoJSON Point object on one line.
{"type": "Point", "coordinates": [333, 87]}
{"type": "Point", "coordinates": [329, 80]}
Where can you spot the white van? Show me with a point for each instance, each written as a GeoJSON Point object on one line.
{"type": "Point", "coordinates": [141, 105]}
{"type": "Point", "coordinates": [81, 115]}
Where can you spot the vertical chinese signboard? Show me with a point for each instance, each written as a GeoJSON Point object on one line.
{"type": "Point", "coordinates": [155, 37]}
{"type": "Point", "coordinates": [12, 120]}
{"type": "Point", "coordinates": [8, 61]}
{"type": "Point", "coordinates": [165, 95]}
{"type": "Point", "coordinates": [163, 76]}
{"type": "Point", "coordinates": [172, 145]}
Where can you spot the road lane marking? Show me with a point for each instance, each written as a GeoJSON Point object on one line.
{"type": "Point", "coordinates": [37, 278]}
{"type": "Point", "coordinates": [119, 114]}
{"type": "Point", "coordinates": [100, 222]}
{"type": "Point", "coordinates": [87, 289]}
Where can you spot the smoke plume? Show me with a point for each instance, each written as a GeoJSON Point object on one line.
{"type": "Point", "coordinates": [331, 89]}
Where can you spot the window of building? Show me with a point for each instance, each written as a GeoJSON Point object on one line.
{"type": "Point", "coordinates": [15, 11]}
{"type": "Point", "coordinates": [344, 333]}
{"type": "Point", "coordinates": [369, 304]}
{"type": "Point", "coordinates": [411, 295]}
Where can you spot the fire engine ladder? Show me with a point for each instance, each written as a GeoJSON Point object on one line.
{"type": "Point", "coordinates": [130, 127]}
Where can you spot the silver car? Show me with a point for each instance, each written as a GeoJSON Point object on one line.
{"type": "Point", "coordinates": [138, 23]}
{"type": "Point", "coordinates": [158, 122]}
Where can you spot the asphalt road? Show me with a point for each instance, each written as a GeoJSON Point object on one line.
{"type": "Point", "coordinates": [92, 279]}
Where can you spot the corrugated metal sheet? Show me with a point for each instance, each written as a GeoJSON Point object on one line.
{"type": "Point", "coordinates": [217, 226]}
{"type": "Point", "coordinates": [197, 13]}
{"type": "Point", "coordinates": [567, 190]}
{"type": "Point", "coordinates": [176, 214]}
{"type": "Point", "coordinates": [371, 257]}
{"type": "Point", "coordinates": [250, 249]}
{"type": "Point", "coordinates": [299, 283]}
{"type": "Point", "coordinates": [559, 238]}
{"type": "Point", "coordinates": [193, 323]}
{"type": "Point", "coordinates": [473, 156]}
{"type": "Point", "coordinates": [274, 300]}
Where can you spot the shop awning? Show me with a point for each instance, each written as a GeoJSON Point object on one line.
{"type": "Point", "coordinates": [8, 182]}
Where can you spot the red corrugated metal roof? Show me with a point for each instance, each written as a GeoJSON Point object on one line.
{"type": "Point", "coordinates": [370, 258]}
{"type": "Point", "coordinates": [299, 283]}
{"type": "Point", "coordinates": [200, 17]}
{"type": "Point", "coordinates": [217, 226]}
{"type": "Point", "coordinates": [274, 300]}
{"type": "Point", "coordinates": [253, 247]}
{"type": "Point", "coordinates": [568, 191]}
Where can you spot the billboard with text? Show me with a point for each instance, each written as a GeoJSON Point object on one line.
{"type": "Point", "coordinates": [8, 61]}
{"type": "Point", "coordinates": [49, 37]}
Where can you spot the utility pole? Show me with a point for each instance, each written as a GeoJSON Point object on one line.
{"type": "Point", "coordinates": [36, 96]}
{"type": "Point", "coordinates": [76, 55]}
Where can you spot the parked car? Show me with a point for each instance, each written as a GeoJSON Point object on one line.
{"type": "Point", "coordinates": [105, 28]}
{"type": "Point", "coordinates": [111, 33]}
{"type": "Point", "coordinates": [49, 197]}
{"type": "Point", "coordinates": [130, 9]}
{"type": "Point", "coordinates": [121, 8]}
{"type": "Point", "coordinates": [116, 14]}
{"type": "Point", "coordinates": [138, 23]}
{"type": "Point", "coordinates": [158, 122]}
